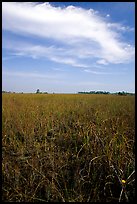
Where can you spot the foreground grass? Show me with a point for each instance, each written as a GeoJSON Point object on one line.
{"type": "Point", "coordinates": [65, 148]}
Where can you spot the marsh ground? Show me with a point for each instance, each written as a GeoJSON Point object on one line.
{"type": "Point", "coordinates": [68, 147]}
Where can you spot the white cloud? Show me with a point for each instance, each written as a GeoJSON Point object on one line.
{"type": "Point", "coordinates": [102, 61]}
{"type": "Point", "coordinates": [83, 33]}
{"type": "Point", "coordinates": [120, 27]}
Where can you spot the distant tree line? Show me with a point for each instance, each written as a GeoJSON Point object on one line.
{"type": "Point", "coordinates": [83, 92]}
{"type": "Point", "coordinates": [37, 92]}
{"type": "Point", "coordinates": [106, 92]}
{"type": "Point", "coordinates": [124, 93]}
{"type": "Point", "coordinates": [94, 92]}
{"type": "Point", "coordinates": [7, 92]}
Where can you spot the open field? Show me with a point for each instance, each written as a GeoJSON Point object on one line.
{"type": "Point", "coordinates": [68, 147]}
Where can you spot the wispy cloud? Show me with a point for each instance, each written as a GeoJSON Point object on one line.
{"type": "Point", "coordinates": [59, 55]}
{"type": "Point", "coordinates": [102, 61]}
{"type": "Point", "coordinates": [84, 34]}
{"type": "Point", "coordinates": [8, 58]}
{"type": "Point", "coordinates": [32, 75]}
{"type": "Point", "coordinates": [102, 73]}
{"type": "Point", "coordinates": [119, 27]}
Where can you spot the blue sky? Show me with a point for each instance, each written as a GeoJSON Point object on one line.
{"type": "Point", "coordinates": [67, 47]}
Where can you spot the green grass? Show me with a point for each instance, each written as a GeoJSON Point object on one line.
{"type": "Point", "coordinates": [68, 147]}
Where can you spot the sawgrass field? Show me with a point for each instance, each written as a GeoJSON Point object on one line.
{"type": "Point", "coordinates": [68, 148]}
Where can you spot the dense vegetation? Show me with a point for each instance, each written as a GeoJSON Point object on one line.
{"type": "Point", "coordinates": [68, 148]}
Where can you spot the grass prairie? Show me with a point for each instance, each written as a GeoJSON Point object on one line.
{"type": "Point", "coordinates": [68, 148]}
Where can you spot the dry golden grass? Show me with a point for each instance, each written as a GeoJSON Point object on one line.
{"type": "Point", "coordinates": [65, 148]}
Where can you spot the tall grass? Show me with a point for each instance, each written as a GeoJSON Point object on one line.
{"type": "Point", "coordinates": [68, 148]}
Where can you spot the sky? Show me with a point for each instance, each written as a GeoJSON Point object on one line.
{"type": "Point", "coordinates": [68, 47]}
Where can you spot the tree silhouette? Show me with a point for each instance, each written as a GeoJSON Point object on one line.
{"type": "Point", "coordinates": [38, 91]}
